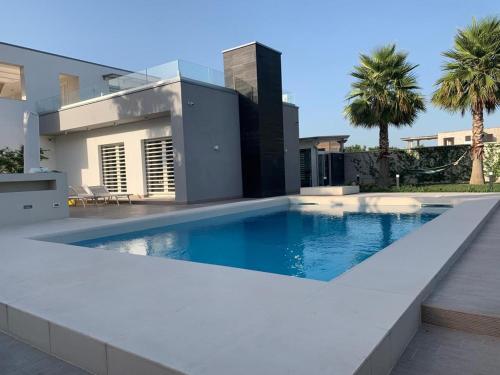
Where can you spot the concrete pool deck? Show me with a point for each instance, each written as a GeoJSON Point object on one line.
{"type": "Point", "coordinates": [114, 313]}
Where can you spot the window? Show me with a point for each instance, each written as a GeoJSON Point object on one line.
{"type": "Point", "coordinates": [114, 175]}
{"type": "Point", "coordinates": [12, 82]}
{"type": "Point", "coordinates": [70, 89]}
{"type": "Point", "coordinates": [487, 137]}
{"type": "Point", "coordinates": [159, 161]}
{"type": "Point", "coordinates": [449, 141]}
{"type": "Point", "coordinates": [468, 139]}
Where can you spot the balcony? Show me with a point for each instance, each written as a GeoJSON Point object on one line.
{"type": "Point", "coordinates": [173, 70]}
{"type": "Point", "coordinates": [114, 84]}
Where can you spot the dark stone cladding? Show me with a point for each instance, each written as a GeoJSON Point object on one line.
{"type": "Point", "coordinates": [254, 71]}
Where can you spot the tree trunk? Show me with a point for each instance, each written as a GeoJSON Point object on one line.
{"type": "Point", "coordinates": [477, 150]}
{"type": "Point", "coordinates": [383, 156]}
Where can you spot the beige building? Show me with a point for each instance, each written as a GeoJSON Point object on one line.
{"type": "Point", "coordinates": [464, 137]}
{"type": "Point", "coordinates": [451, 138]}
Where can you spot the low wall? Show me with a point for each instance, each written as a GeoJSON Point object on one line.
{"type": "Point", "coordinates": [26, 198]}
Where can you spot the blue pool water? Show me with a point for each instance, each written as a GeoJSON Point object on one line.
{"type": "Point", "coordinates": [302, 242]}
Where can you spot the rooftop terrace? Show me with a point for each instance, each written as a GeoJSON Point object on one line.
{"type": "Point", "coordinates": [115, 84]}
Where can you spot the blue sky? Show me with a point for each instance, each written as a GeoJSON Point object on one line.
{"type": "Point", "coordinates": [320, 41]}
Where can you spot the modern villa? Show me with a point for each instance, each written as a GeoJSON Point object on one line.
{"type": "Point", "coordinates": [178, 129]}
{"type": "Point", "coordinates": [239, 254]}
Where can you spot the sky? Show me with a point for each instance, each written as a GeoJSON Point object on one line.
{"type": "Point", "coordinates": [320, 43]}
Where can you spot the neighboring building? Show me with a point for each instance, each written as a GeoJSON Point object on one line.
{"type": "Point", "coordinates": [177, 129]}
{"type": "Point", "coordinates": [458, 137]}
{"type": "Point", "coordinates": [417, 141]}
{"type": "Point", "coordinates": [322, 160]}
{"type": "Point", "coordinates": [464, 137]}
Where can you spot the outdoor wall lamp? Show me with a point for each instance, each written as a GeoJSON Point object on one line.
{"type": "Point", "coordinates": [216, 148]}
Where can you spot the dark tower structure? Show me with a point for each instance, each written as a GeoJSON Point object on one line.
{"type": "Point", "coordinates": [254, 70]}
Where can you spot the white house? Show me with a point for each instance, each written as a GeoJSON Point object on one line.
{"type": "Point", "coordinates": [177, 129]}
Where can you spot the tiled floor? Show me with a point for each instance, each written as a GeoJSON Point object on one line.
{"type": "Point", "coordinates": [442, 351]}
{"type": "Point", "coordinates": [125, 210]}
{"type": "Point", "coordinates": [17, 358]}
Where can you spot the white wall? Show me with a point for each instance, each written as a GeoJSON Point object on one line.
{"type": "Point", "coordinates": [459, 136]}
{"type": "Point", "coordinates": [77, 154]}
{"type": "Point", "coordinates": [41, 77]}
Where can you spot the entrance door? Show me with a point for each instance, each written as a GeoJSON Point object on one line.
{"type": "Point", "coordinates": [337, 168]}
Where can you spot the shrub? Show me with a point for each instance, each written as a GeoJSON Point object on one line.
{"type": "Point", "coordinates": [12, 161]}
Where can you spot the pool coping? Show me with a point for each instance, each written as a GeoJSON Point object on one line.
{"type": "Point", "coordinates": [374, 316]}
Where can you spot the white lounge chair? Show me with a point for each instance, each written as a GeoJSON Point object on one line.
{"type": "Point", "coordinates": [79, 194]}
{"type": "Point", "coordinates": [102, 191]}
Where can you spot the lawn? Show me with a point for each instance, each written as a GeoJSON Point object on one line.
{"type": "Point", "coordinates": [435, 188]}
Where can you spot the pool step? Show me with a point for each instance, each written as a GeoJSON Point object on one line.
{"type": "Point", "coordinates": [472, 322]}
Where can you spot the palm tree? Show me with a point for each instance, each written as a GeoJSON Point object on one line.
{"type": "Point", "coordinates": [384, 93]}
{"type": "Point", "coordinates": [471, 81]}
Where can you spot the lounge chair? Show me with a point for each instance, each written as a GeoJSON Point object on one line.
{"type": "Point", "coordinates": [79, 194]}
{"type": "Point", "coordinates": [102, 191]}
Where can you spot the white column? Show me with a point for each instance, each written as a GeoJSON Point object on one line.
{"type": "Point", "coordinates": [31, 141]}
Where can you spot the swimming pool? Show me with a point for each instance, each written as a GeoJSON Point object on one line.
{"type": "Point", "coordinates": [308, 242]}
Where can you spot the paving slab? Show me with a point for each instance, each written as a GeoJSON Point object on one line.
{"type": "Point", "coordinates": [18, 358]}
{"type": "Point", "coordinates": [442, 351]}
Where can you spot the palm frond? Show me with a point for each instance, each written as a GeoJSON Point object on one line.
{"type": "Point", "coordinates": [471, 72]}
{"type": "Point", "coordinates": [385, 90]}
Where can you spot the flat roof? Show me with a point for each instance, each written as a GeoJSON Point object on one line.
{"type": "Point", "coordinates": [325, 138]}
{"type": "Point", "coordinates": [468, 130]}
{"type": "Point", "coordinates": [62, 56]}
{"type": "Point", "coordinates": [249, 44]}
{"type": "Point", "coordinates": [420, 138]}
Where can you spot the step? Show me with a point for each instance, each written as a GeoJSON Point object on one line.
{"type": "Point", "coordinates": [438, 351]}
{"type": "Point", "coordinates": [468, 297]}
{"type": "Point", "coordinates": [477, 323]}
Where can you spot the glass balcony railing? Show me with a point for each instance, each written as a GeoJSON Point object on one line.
{"type": "Point", "coordinates": [164, 72]}
{"type": "Point", "coordinates": [288, 97]}
{"type": "Point", "coordinates": [169, 71]}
